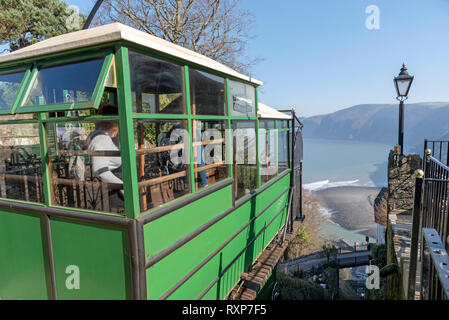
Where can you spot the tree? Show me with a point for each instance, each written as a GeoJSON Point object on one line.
{"type": "Point", "coordinates": [26, 22]}
{"type": "Point", "coordinates": [217, 29]}
{"type": "Point", "coordinates": [309, 237]}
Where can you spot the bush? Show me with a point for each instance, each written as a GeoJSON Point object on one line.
{"type": "Point", "coordinates": [298, 289]}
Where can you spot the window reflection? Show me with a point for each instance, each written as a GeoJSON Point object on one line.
{"type": "Point", "coordinates": [65, 83]}
{"type": "Point", "coordinates": [207, 93]}
{"type": "Point", "coordinates": [162, 148]}
{"type": "Point", "coordinates": [9, 87]}
{"type": "Point", "coordinates": [245, 166]}
{"type": "Point", "coordinates": [267, 151]}
{"type": "Point", "coordinates": [156, 85]}
{"type": "Point", "coordinates": [85, 165]}
{"type": "Point", "coordinates": [242, 99]}
{"type": "Point", "coordinates": [20, 162]}
{"type": "Point", "coordinates": [283, 150]}
{"type": "Point", "coordinates": [209, 152]}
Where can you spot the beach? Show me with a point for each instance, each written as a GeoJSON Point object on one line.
{"type": "Point", "coordinates": [351, 207]}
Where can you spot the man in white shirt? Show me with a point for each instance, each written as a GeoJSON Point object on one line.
{"type": "Point", "coordinates": [107, 168]}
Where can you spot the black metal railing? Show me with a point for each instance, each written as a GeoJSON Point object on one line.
{"type": "Point", "coordinates": [435, 195]}
{"type": "Point", "coordinates": [296, 147]}
{"type": "Point", "coordinates": [430, 225]}
{"type": "Point", "coordinates": [435, 267]}
{"type": "Point", "coordinates": [439, 150]}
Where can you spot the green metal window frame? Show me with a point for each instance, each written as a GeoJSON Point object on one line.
{"type": "Point", "coordinates": [26, 76]}
{"type": "Point", "coordinates": [226, 91]}
{"type": "Point", "coordinates": [96, 95]}
{"type": "Point", "coordinates": [288, 144]}
{"type": "Point", "coordinates": [189, 117]}
{"type": "Point", "coordinates": [263, 131]}
{"type": "Point", "coordinates": [42, 154]}
{"type": "Point", "coordinates": [46, 174]}
{"type": "Point", "coordinates": [126, 117]}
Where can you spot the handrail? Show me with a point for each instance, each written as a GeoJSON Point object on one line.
{"type": "Point", "coordinates": [435, 272]}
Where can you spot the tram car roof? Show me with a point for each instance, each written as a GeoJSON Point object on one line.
{"type": "Point", "coordinates": [118, 32]}
{"type": "Point", "coordinates": [266, 112]}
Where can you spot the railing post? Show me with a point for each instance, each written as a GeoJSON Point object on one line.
{"type": "Point", "coordinates": [426, 161]}
{"type": "Point", "coordinates": [424, 153]}
{"type": "Point", "coordinates": [419, 178]}
{"type": "Point", "coordinates": [293, 169]}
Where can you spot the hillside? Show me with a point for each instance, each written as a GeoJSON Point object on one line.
{"type": "Point", "coordinates": [379, 123]}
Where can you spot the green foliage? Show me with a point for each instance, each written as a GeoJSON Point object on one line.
{"type": "Point", "coordinates": [379, 254]}
{"type": "Point", "coordinates": [329, 250]}
{"type": "Point", "coordinates": [26, 22]}
{"type": "Point", "coordinates": [247, 180]}
{"type": "Point", "coordinates": [8, 93]}
{"type": "Point", "coordinates": [298, 289]}
{"type": "Point", "coordinates": [299, 242]}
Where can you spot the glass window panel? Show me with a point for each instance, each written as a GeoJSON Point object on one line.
{"type": "Point", "coordinates": [86, 165]}
{"type": "Point", "coordinates": [209, 152]}
{"type": "Point", "coordinates": [109, 98]}
{"type": "Point", "coordinates": [282, 124]}
{"type": "Point", "coordinates": [111, 77]}
{"type": "Point", "coordinates": [20, 162]}
{"type": "Point", "coordinates": [66, 83]}
{"type": "Point", "coordinates": [162, 151]}
{"type": "Point", "coordinates": [266, 124]}
{"type": "Point", "coordinates": [283, 150]}
{"type": "Point", "coordinates": [242, 99]}
{"type": "Point", "coordinates": [9, 87]}
{"type": "Point", "coordinates": [207, 93]}
{"type": "Point", "coordinates": [157, 86]}
{"type": "Point", "coordinates": [299, 145]}
{"type": "Point", "coordinates": [245, 160]}
{"type": "Point", "coordinates": [267, 150]}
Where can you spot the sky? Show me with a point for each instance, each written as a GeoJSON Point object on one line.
{"type": "Point", "coordinates": [319, 56]}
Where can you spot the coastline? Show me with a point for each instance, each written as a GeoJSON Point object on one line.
{"type": "Point", "coordinates": [351, 207]}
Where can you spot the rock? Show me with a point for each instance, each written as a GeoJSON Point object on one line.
{"type": "Point", "coordinates": [401, 182]}
{"type": "Point", "coordinates": [381, 207]}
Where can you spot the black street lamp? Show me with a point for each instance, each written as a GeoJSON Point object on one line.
{"type": "Point", "coordinates": [403, 82]}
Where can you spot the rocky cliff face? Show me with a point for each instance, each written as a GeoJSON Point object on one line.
{"type": "Point", "coordinates": [381, 207]}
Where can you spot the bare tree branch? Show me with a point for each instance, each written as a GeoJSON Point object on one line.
{"type": "Point", "coordinates": [217, 29]}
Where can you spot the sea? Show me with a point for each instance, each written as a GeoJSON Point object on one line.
{"type": "Point", "coordinates": [334, 163]}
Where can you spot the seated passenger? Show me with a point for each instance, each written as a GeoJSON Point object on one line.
{"type": "Point", "coordinates": [107, 168]}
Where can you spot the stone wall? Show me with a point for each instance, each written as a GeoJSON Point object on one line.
{"type": "Point", "coordinates": [401, 182]}
{"type": "Point", "coordinates": [381, 207]}
{"type": "Point", "coordinates": [401, 188]}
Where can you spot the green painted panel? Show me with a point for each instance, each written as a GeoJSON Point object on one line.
{"type": "Point", "coordinates": [166, 273]}
{"type": "Point", "coordinates": [202, 279]}
{"type": "Point", "coordinates": [164, 231]}
{"type": "Point", "coordinates": [22, 257]}
{"type": "Point", "coordinates": [101, 254]}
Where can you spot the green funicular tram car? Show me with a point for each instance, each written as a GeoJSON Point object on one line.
{"type": "Point", "coordinates": [92, 204]}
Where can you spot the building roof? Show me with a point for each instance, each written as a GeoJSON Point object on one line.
{"type": "Point", "coordinates": [116, 32]}
{"type": "Point", "coordinates": [271, 113]}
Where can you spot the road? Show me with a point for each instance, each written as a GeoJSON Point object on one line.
{"type": "Point", "coordinates": [345, 260]}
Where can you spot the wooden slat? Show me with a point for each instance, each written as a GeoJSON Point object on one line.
{"type": "Point", "coordinates": [210, 166]}
{"type": "Point", "coordinates": [159, 180]}
{"type": "Point", "coordinates": [90, 153]}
